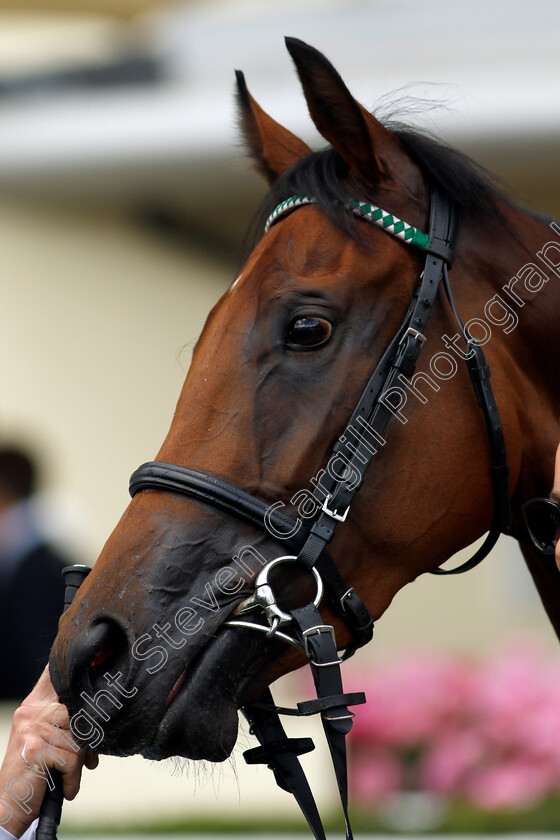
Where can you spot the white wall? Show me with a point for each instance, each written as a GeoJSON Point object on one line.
{"type": "Point", "coordinates": [97, 322]}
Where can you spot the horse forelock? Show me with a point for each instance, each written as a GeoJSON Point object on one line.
{"type": "Point", "coordinates": [476, 193]}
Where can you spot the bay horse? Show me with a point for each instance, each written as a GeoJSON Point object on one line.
{"type": "Point", "coordinates": [144, 658]}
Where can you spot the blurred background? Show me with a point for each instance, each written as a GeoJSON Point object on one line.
{"type": "Point", "coordinates": [124, 197]}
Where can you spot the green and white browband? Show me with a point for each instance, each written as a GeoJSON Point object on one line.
{"type": "Point", "coordinates": [389, 223]}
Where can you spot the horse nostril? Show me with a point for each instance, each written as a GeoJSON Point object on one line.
{"type": "Point", "coordinates": [97, 654]}
{"type": "Point", "coordinates": [101, 656]}
{"type": "Point", "coordinates": [107, 645]}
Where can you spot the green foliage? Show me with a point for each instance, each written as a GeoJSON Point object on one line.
{"type": "Point", "coordinates": [461, 818]}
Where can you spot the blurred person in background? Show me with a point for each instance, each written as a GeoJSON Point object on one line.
{"type": "Point", "coordinates": [31, 583]}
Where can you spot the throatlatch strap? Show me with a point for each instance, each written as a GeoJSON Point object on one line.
{"type": "Point", "coordinates": [479, 373]}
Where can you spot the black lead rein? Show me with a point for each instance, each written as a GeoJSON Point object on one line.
{"type": "Point", "coordinates": [334, 497]}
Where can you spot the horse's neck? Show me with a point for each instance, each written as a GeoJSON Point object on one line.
{"type": "Point", "coordinates": [521, 271]}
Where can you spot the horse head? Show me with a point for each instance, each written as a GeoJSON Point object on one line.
{"type": "Point", "coordinates": [144, 659]}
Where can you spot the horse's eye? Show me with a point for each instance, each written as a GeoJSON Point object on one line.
{"type": "Point", "coordinates": [308, 331]}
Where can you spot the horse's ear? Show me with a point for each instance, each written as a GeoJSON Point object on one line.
{"type": "Point", "coordinates": [272, 146]}
{"type": "Point", "coordinates": [363, 142]}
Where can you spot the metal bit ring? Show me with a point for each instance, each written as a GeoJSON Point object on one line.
{"type": "Point", "coordinates": [264, 597]}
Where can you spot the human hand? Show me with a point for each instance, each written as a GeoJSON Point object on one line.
{"type": "Point", "coordinates": [40, 740]}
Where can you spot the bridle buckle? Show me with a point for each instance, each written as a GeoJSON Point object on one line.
{"type": "Point", "coordinates": [415, 334]}
{"type": "Point", "coordinates": [315, 631]}
{"type": "Point", "coordinates": [347, 594]}
{"type": "Point", "coordinates": [340, 517]}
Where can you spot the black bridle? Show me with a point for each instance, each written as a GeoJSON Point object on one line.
{"type": "Point", "coordinates": [333, 497]}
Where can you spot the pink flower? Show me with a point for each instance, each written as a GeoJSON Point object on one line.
{"type": "Point", "coordinates": [449, 763]}
{"type": "Point", "coordinates": [408, 701]}
{"type": "Point", "coordinates": [515, 784]}
{"type": "Point", "coordinates": [373, 775]}
{"type": "Point", "coordinates": [487, 731]}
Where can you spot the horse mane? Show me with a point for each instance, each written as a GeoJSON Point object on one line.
{"type": "Point", "coordinates": [474, 190]}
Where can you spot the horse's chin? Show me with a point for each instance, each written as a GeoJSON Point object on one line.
{"type": "Point", "coordinates": [201, 720]}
